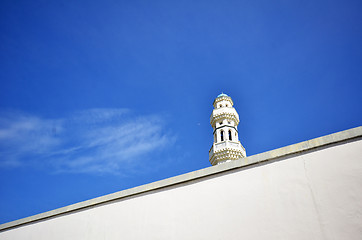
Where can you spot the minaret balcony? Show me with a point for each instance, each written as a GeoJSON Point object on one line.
{"type": "Point", "coordinates": [224, 113]}
{"type": "Point", "coordinates": [226, 146]}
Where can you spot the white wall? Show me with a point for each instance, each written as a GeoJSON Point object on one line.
{"type": "Point", "coordinates": [317, 195]}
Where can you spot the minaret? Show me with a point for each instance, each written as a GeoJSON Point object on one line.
{"type": "Point", "coordinates": [224, 121]}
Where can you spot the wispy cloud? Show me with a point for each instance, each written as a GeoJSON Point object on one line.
{"type": "Point", "coordinates": [91, 141]}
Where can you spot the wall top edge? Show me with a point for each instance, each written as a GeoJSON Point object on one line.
{"type": "Point", "coordinates": [343, 136]}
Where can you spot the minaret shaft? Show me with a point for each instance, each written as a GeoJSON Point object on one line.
{"type": "Point", "coordinates": [224, 121]}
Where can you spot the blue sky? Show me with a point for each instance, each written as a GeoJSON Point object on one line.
{"type": "Point", "coordinates": [101, 96]}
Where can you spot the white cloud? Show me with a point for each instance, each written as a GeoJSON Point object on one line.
{"type": "Point", "coordinates": [91, 141]}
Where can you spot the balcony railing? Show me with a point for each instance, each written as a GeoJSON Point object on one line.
{"type": "Point", "coordinates": [226, 144]}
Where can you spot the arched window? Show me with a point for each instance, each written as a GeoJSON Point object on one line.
{"type": "Point", "coordinates": [230, 135]}
{"type": "Point", "coordinates": [222, 135]}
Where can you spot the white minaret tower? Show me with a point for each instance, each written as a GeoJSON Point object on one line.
{"type": "Point", "coordinates": [224, 121]}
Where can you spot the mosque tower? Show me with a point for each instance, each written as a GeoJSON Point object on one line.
{"type": "Point", "coordinates": [224, 121]}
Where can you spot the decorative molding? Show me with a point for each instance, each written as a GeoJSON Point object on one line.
{"type": "Point", "coordinates": [223, 98]}
{"type": "Point", "coordinates": [229, 116]}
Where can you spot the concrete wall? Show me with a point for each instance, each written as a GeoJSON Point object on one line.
{"type": "Point", "coordinates": [310, 194]}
